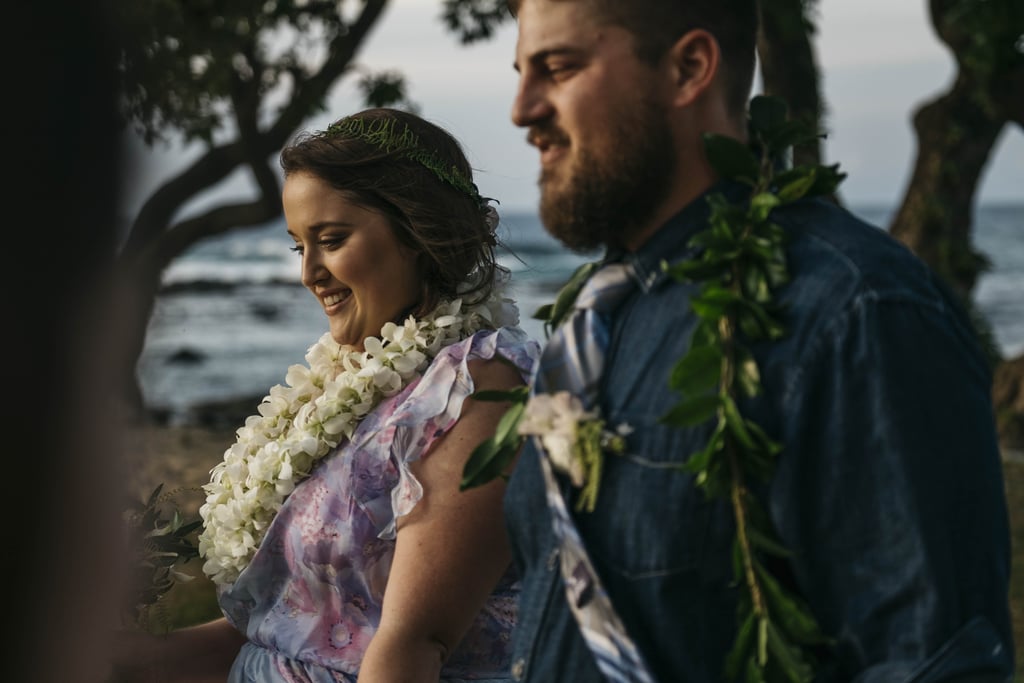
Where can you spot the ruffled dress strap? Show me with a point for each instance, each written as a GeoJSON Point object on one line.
{"type": "Point", "coordinates": [406, 427]}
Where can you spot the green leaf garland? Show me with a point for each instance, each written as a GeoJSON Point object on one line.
{"type": "Point", "coordinates": [740, 264]}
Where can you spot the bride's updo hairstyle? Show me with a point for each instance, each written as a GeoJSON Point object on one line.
{"type": "Point", "coordinates": [417, 174]}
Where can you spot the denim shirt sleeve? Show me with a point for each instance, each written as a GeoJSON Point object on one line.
{"type": "Point", "coordinates": [890, 494]}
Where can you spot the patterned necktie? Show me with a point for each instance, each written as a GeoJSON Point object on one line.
{"type": "Point", "coordinates": [573, 360]}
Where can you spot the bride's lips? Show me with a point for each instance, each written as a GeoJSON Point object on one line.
{"type": "Point", "coordinates": [333, 301]}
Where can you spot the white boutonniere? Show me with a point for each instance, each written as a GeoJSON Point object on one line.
{"type": "Point", "coordinates": [574, 438]}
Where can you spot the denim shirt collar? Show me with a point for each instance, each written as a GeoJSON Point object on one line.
{"type": "Point", "coordinates": [670, 242]}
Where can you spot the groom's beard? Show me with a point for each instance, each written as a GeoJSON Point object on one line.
{"type": "Point", "coordinates": [613, 187]}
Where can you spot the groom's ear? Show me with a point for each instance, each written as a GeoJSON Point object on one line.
{"type": "Point", "coordinates": [694, 62]}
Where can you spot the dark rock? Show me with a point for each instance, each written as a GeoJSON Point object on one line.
{"type": "Point", "coordinates": [186, 356]}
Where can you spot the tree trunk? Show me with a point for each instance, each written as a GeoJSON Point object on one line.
{"type": "Point", "coordinates": [935, 218]}
{"type": "Point", "coordinates": [956, 134]}
{"type": "Point", "coordinates": [155, 241]}
{"type": "Point", "coordinates": [789, 69]}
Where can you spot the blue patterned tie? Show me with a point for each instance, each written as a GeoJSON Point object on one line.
{"type": "Point", "coordinates": [573, 360]}
{"type": "Point", "coordinates": [574, 356]}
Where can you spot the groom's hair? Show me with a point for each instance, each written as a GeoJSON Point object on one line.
{"type": "Point", "coordinates": [656, 25]}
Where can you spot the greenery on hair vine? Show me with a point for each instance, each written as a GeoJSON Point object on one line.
{"type": "Point", "coordinates": [393, 136]}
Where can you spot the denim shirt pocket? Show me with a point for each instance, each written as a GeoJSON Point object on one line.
{"type": "Point", "coordinates": [650, 520]}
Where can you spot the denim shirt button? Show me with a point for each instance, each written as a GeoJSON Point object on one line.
{"type": "Point", "coordinates": [518, 667]}
{"type": "Point", "coordinates": [552, 562]}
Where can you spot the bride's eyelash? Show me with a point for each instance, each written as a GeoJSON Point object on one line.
{"type": "Point", "coordinates": [326, 242]}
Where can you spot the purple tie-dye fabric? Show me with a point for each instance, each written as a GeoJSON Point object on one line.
{"type": "Point", "coordinates": [310, 600]}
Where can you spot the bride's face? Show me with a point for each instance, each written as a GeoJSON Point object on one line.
{"type": "Point", "coordinates": [351, 260]}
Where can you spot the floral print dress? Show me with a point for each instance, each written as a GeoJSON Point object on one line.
{"type": "Point", "coordinates": [310, 600]}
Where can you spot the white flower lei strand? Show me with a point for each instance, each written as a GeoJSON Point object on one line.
{"type": "Point", "coordinates": [320, 406]}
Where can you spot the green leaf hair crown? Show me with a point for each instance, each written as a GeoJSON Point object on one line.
{"type": "Point", "coordinates": [385, 134]}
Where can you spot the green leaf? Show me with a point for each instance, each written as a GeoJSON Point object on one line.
{"type": "Point", "coordinates": [698, 372]}
{"type": "Point", "coordinates": [705, 333]}
{"type": "Point", "coordinates": [567, 296]}
{"type": "Point", "coordinates": [761, 205]}
{"type": "Point", "coordinates": [748, 376]}
{"type": "Point", "coordinates": [767, 543]}
{"type": "Point", "coordinates": [492, 457]}
{"type": "Point", "coordinates": [508, 425]}
{"type": "Point", "coordinates": [714, 239]}
{"type": "Point", "coordinates": [799, 186]}
{"type": "Point", "coordinates": [698, 461]}
{"type": "Point", "coordinates": [789, 658]}
{"type": "Point", "coordinates": [731, 158]}
{"type": "Point", "coordinates": [754, 673]}
{"type": "Point", "coordinates": [764, 442]}
{"type": "Point", "coordinates": [788, 611]}
{"type": "Point", "coordinates": [762, 641]}
{"type": "Point", "coordinates": [740, 651]}
{"type": "Point", "coordinates": [737, 424]}
{"type": "Point", "coordinates": [692, 411]}
{"type": "Point", "coordinates": [755, 284]}
{"type": "Point", "coordinates": [154, 495]}
{"type": "Point", "coordinates": [487, 462]}
{"type": "Point", "coordinates": [714, 293]}
{"type": "Point", "coordinates": [778, 273]}
{"type": "Point", "coordinates": [757, 323]}
{"type": "Point", "coordinates": [516, 395]}
{"type": "Point", "coordinates": [826, 180]}
{"type": "Point", "coordinates": [706, 310]}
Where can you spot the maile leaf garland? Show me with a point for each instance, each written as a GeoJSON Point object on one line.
{"type": "Point", "coordinates": [740, 264]}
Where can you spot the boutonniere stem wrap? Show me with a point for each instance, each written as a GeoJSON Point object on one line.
{"type": "Point", "coordinates": [575, 439]}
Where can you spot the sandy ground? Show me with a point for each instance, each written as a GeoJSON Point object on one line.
{"type": "Point", "coordinates": [178, 457]}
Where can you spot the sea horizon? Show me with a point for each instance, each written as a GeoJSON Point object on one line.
{"type": "Point", "coordinates": [232, 315]}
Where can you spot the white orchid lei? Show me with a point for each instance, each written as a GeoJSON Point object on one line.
{"type": "Point", "coordinates": [319, 407]}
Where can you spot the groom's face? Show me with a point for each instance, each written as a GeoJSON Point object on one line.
{"type": "Point", "coordinates": [595, 112]}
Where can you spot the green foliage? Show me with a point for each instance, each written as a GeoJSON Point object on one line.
{"type": "Point", "coordinates": [987, 38]}
{"type": "Point", "coordinates": [494, 456]}
{"type": "Point", "coordinates": [160, 540]}
{"type": "Point", "coordinates": [741, 263]}
{"type": "Point", "coordinates": [554, 314]}
{"type": "Point", "coordinates": [190, 65]}
{"type": "Point", "coordinates": [474, 20]}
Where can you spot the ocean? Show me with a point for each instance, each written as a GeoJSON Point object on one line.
{"type": "Point", "coordinates": [232, 315]}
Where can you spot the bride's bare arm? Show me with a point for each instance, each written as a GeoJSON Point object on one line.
{"type": "Point", "coordinates": [451, 549]}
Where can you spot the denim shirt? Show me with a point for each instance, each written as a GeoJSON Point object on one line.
{"type": "Point", "coordinates": [888, 491]}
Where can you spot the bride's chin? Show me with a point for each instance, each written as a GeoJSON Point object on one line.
{"type": "Point", "coordinates": [344, 336]}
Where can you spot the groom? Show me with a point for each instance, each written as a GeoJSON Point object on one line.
{"type": "Point", "coordinates": [888, 492]}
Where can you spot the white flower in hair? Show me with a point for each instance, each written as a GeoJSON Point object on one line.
{"type": "Point", "coordinates": [491, 217]}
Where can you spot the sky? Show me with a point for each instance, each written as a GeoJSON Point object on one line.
{"type": "Point", "coordinates": [879, 60]}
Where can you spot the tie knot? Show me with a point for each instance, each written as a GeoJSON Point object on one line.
{"type": "Point", "coordinates": [606, 287]}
